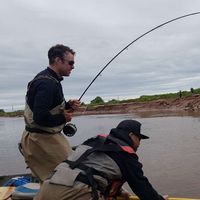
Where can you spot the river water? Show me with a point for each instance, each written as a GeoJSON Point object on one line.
{"type": "Point", "coordinates": [171, 157]}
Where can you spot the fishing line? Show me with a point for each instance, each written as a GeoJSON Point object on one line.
{"type": "Point", "coordinates": [163, 24]}
{"type": "Point", "coordinates": [70, 129]}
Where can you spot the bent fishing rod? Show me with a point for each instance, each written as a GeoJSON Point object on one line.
{"type": "Point", "coordinates": [146, 33]}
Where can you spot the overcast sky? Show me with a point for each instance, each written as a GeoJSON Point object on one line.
{"type": "Point", "coordinates": [166, 60]}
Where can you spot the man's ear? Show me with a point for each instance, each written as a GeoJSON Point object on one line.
{"type": "Point", "coordinates": [130, 134]}
{"type": "Point", "coordinates": [57, 59]}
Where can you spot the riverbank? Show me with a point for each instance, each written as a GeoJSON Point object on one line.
{"type": "Point", "coordinates": [184, 104]}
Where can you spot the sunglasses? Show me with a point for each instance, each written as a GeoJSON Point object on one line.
{"type": "Point", "coordinates": [71, 62]}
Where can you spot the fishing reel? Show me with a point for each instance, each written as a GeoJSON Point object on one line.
{"type": "Point", "coordinates": [69, 129]}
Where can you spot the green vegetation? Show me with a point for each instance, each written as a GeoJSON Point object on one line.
{"type": "Point", "coordinates": [144, 98]}
{"type": "Point", "coordinates": [17, 113]}
{"type": "Point", "coordinates": [2, 111]}
{"type": "Point", "coordinates": [99, 101]}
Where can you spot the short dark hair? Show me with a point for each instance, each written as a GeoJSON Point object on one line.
{"type": "Point", "coordinates": [58, 51]}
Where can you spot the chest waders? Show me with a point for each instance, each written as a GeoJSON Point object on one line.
{"type": "Point", "coordinates": [113, 186]}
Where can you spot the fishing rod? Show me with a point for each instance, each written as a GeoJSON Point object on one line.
{"type": "Point", "coordinates": [163, 24]}
{"type": "Point", "coordinates": [70, 129]}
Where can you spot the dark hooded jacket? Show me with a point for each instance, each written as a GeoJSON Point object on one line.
{"type": "Point", "coordinates": [131, 169]}
{"type": "Point", "coordinates": [43, 95]}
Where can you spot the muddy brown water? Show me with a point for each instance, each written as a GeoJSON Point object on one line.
{"type": "Point", "coordinates": [171, 157]}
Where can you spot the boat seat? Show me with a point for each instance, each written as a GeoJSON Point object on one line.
{"type": "Point", "coordinates": [26, 191]}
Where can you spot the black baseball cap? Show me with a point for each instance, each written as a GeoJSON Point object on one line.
{"type": "Point", "coordinates": [131, 126]}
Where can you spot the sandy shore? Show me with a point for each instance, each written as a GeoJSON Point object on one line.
{"type": "Point", "coordinates": [185, 105]}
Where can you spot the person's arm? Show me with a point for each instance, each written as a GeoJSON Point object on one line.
{"type": "Point", "coordinates": [132, 172]}
{"type": "Point", "coordinates": [43, 101]}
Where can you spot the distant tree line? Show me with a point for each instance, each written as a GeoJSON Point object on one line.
{"type": "Point", "coordinates": [17, 113]}
{"type": "Point", "coordinates": [2, 111]}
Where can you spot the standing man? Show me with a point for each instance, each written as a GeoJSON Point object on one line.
{"type": "Point", "coordinates": [46, 113]}
{"type": "Point", "coordinates": [98, 168]}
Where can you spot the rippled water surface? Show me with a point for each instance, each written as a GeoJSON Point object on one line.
{"type": "Point", "coordinates": [171, 157]}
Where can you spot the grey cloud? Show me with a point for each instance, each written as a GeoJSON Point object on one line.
{"type": "Point", "coordinates": [166, 60]}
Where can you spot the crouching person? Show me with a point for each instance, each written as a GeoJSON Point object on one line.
{"type": "Point", "coordinates": [99, 167]}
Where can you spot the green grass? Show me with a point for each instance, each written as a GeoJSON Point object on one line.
{"type": "Point", "coordinates": [146, 98]}
{"type": "Point", "coordinates": [17, 113]}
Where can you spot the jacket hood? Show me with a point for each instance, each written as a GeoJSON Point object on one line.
{"type": "Point", "coordinates": [122, 135]}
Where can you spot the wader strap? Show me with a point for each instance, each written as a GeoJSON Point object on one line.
{"type": "Point", "coordinates": [42, 77]}
{"type": "Point", "coordinates": [85, 168]}
{"type": "Point", "coordinates": [36, 130]}
{"type": "Point", "coordinates": [103, 148]}
{"type": "Point", "coordinates": [89, 170]}
{"type": "Point", "coordinates": [93, 183]}
{"type": "Point", "coordinates": [20, 148]}
{"type": "Point", "coordinates": [88, 178]}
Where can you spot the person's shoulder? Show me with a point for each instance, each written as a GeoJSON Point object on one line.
{"type": "Point", "coordinates": [42, 72]}
{"type": "Point", "coordinates": [43, 81]}
{"type": "Point", "coordinates": [131, 159]}
{"type": "Point", "coordinates": [123, 156]}
{"type": "Point", "coordinates": [45, 77]}
{"type": "Point", "coordinates": [95, 141]}
{"type": "Point", "coordinates": [131, 156]}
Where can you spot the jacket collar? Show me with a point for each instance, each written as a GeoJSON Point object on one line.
{"type": "Point", "coordinates": [52, 73]}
